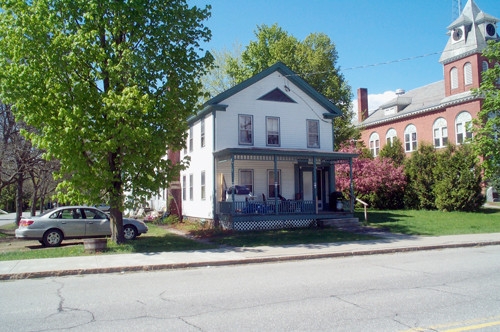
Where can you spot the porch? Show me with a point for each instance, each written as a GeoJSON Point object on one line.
{"type": "Point", "coordinates": [308, 177]}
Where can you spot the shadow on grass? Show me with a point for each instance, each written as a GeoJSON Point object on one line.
{"type": "Point", "coordinates": [158, 243]}
{"type": "Point", "coordinates": [388, 221]}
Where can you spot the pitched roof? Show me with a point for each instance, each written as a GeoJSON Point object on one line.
{"type": "Point", "coordinates": [214, 103]}
{"type": "Point", "coordinates": [424, 99]}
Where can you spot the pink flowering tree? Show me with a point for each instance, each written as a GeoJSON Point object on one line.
{"type": "Point", "coordinates": [376, 181]}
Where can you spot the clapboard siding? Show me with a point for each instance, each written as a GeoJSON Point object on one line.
{"type": "Point", "coordinates": [293, 116]}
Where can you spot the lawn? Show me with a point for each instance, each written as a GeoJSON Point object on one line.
{"type": "Point", "coordinates": [159, 239]}
{"type": "Point", "coordinates": [435, 223]}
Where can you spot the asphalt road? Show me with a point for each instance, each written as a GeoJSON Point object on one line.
{"type": "Point", "coordinates": [10, 218]}
{"type": "Point", "coordinates": [445, 290]}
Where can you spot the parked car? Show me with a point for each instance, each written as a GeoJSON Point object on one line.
{"type": "Point", "coordinates": [103, 207]}
{"type": "Point", "coordinates": [73, 222]}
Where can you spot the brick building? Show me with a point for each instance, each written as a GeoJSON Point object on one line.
{"type": "Point", "coordinates": [439, 112]}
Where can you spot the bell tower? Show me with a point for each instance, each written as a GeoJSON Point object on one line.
{"type": "Point", "coordinates": [462, 56]}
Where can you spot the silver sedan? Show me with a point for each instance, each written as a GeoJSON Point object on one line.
{"type": "Point", "coordinates": [73, 222]}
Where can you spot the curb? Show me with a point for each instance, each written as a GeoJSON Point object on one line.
{"type": "Point", "coordinates": [256, 260]}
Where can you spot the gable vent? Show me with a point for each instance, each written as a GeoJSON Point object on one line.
{"type": "Point", "coordinates": [277, 95]}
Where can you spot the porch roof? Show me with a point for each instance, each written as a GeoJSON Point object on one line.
{"type": "Point", "coordinates": [282, 154]}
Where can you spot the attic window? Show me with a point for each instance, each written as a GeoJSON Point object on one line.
{"type": "Point", "coordinates": [277, 95]}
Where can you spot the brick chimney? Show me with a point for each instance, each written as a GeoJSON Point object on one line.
{"type": "Point", "coordinates": [362, 104]}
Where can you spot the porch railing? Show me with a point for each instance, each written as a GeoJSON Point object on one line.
{"type": "Point", "coordinates": [272, 207]}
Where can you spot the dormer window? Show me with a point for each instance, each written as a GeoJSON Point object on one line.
{"type": "Point", "coordinates": [458, 34]}
{"type": "Point", "coordinates": [491, 30]}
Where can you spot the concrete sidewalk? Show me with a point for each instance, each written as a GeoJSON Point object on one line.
{"type": "Point", "coordinates": [119, 263]}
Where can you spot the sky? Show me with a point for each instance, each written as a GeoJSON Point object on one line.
{"type": "Point", "coordinates": [382, 45]}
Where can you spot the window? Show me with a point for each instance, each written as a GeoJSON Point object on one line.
{"type": "Point", "coordinates": [190, 187]}
{"type": "Point", "coordinates": [410, 138]}
{"type": "Point", "coordinates": [202, 134]}
{"type": "Point", "coordinates": [184, 186]}
{"type": "Point", "coordinates": [390, 136]}
{"type": "Point", "coordinates": [312, 133]}
{"type": "Point", "coordinates": [202, 185]}
{"type": "Point", "coordinates": [273, 183]}
{"type": "Point", "coordinates": [273, 131]}
{"type": "Point", "coordinates": [463, 125]}
{"type": "Point", "coordinates": [454, 78]}
{"type": "Point", "coordinates": [485, 66]}
{"type": "Point", "coordinates": [191, 139]}
{"type": "Point", "coordinates": [374, 144]}
{"type": "Point", "coordinates": [245, 129]}
{"type": "Point", "coordinates": [468, 73]}
{"type": "Point", "coordinates": [440, 130]}
{"type": "Point", "coordinates": [246, 178]}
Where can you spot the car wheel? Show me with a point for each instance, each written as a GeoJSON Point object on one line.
{"type": "Point", "coordinates": [52, 238]}
{"type": "Point", "coordinates": [129, 232]}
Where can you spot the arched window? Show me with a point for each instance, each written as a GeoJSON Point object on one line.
{"type": "Point", "coordinates": [440, 130]}
{"type": "Point", "coordinates": [410, 138]}
{"type": "Point", "coordinates": [463, 126]}
{"type": "Point", "coordinates": [485, 66]}
{"type": "Point", "coordinates": [374, 144]}
{"type": "Point", "coordinates": [454, 78]}
{"type": "Point", "coordinates": [468, 73]}
{"type": "Point", "coordinates": [390, 136]}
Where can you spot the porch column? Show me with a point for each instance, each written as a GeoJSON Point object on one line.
{"type": "Point", "coordinates": [351, 185]}
{"type": "Point", "coordinates": [275, 184]}
{"type": "Point", "coordinates": [332, 186]}
{"type": "Point", "coordinates": [232, 184]}
{"type": "Point", "coordinates": [315, 186]}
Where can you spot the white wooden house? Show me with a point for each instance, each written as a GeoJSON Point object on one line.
{"type": "Point", "coordinates": [262, 156]}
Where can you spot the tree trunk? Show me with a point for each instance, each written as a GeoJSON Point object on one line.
{"type": "Point", "coordinates": [117, 226]}
{"type": "Point", "coordinates": [19, 197]}
{"type": "Point", "coordinates": [42, 202]}
{"type": "Point", "coordinates": [33, 203]}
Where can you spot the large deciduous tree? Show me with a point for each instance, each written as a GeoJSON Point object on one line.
{"type": "Point", "coordinates": [314, 59]}
{"type": "Point", "coordinates": [487, 125]}
{"type": "Point", "coordinates": [108, 85]}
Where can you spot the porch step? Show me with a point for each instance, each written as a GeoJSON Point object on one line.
{"type": "Point", "coordinates": [342, 224]}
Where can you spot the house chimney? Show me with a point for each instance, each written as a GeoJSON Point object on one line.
{"type": "Point", "coordinates": [362, 104]}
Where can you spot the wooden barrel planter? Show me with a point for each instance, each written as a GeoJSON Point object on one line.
{"type": "Point", "coordinates": [95, 245]}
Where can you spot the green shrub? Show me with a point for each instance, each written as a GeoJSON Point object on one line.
{"type": "Point", "coordinates": [458, 180]}
{"type": "Point", "coordinates": [419, 170]}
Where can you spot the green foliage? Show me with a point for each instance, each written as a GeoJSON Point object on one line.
{"type": "Point", "coordinates": [420, 174]}
{"type": "Point", "coordinates": [108, 87]}
{"type": "Point", "coordinates": [314, 59]}
{"type": "Point", "coordinates": [458, 180]}
{"type": "Point", "coordinates": [394, 152]}
{"type": "Point", "coordinates": [217, 80]}
{"type": "Point", "coordinates": [447, 180]}
{"type": "Point", "coordinates": [487, 125]}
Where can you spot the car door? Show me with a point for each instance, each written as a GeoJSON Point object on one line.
{"type": "Point", "coordinates": [71, 223]}
{"type": "Point", "coordinates": [97, 222]}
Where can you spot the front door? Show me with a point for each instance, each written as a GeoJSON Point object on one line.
{"type": "Point", "coordinates": [307, 186]}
